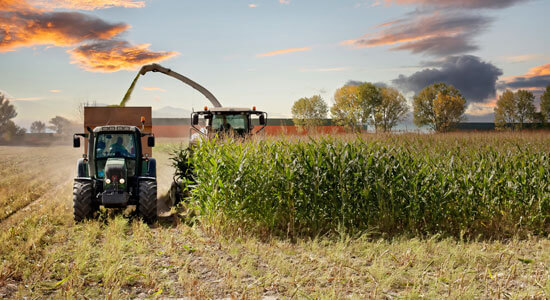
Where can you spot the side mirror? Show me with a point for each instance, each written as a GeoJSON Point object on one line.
{"type": "Point", "coordinates": [151, 141]}
{"type": "Point", "coordinates": [76, 142]}
{"type": "Point", "coordinates": [262, 120]}
{"type": "Point", "coordinates": [195, 120]}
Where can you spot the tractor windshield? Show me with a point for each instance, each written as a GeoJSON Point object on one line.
{"type": "Point", "coordinates": [115, 145]}
{"type": "Point", "coordinates": [122, 145]}
{"type": "Point", "coordinates": [238, 123]}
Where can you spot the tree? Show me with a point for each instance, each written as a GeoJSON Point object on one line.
{"type": "Point", "coordinates": [448, 110]}
{"type": "Point", "coordinates": [8, 129]}
{"type": "Point", "coordinates": [390, 110]}
{"type": "Point", "coordinates": [347, 110]}
{"type": "Point", "coordinates": [525, 107]}
{"type": "Point", "coordinates": [545, 104]}
{"type": "Point", "coordinates": [7, 111]}
{"type": "Point", "coordinates": [505, 110]}
{"type": "Point", "coordinates": [59, 124]}
{"type": "Point", "coordinates": [309, 111]}
{"type": "Point", "coordinates": [450, 106]}
{"type": "Point", "coordinates": [370, 97]}
{"type": "Point", "coordinates": [38, 127]}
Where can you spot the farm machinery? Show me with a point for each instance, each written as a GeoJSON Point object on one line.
{"type": "Point", "coordinates": [116, 169]}
{"type": "Point", "coordinates": [216, 121]}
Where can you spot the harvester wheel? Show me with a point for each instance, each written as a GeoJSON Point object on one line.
{"type": "Point", "coordinates": [147, 207]}
{"type": "Point", "coordinates": [83, 207]}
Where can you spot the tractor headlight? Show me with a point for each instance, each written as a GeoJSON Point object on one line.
{"type": "Point", "coordinates": [108, 181]}
{"type": "Point", "coordinates": [122, 181]}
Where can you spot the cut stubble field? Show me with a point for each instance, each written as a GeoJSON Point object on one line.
{"type": "Point", "coordinates": [44, 254]}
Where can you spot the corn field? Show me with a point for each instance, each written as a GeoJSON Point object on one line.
{"type": "Point", "coordinates": [494, 185]}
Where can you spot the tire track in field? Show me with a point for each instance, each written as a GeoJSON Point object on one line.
{"type": "Point", "coordinates": [11, 218]}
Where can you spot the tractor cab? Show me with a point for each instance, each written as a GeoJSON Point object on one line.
{"type": "Point", "coordinates": [115, 172]}
{"type": "Point", "coordinates": [222, 121]}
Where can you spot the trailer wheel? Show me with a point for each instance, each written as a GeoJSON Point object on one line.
{"type": "Point", "coordinates": [147, 207]}
{"type": "Point", "coordinates": [83, 207]}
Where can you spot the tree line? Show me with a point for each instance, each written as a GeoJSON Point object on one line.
{"type": "Point", "coordinates": [439, 106]}
{"type": "Point", "coordinates": [9, 131]}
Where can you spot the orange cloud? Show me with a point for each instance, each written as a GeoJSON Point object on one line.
{"type": "Point", "coordinates": [536, 79]}
{"type": "Point", "coordinates": [87, 4]}
{"type": "Point", "coordinates": [283, 51]}
{"type": "Point", "coordinates": [539, 71]}
{"type": "Point", "coordinates": [111, 56]}
{"type": "Point", "coordinates": [439, 34]}
{"type": "Point", "coordinates": [55, 91]}
{"type": "Point", "coordinates": [252, 5]}
{"type": "Point", "coordinates": [22, 26]}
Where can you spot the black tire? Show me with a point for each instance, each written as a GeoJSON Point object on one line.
{"type": "Point", "coordinates": [147, 206]}
{"type": "Point", "coordinates": [176, 194]}
{"type": "Point", "coordinates": [83, 208]}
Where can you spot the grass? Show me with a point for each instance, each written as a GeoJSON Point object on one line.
{"type": "Point", "coordinates": [44, 254]}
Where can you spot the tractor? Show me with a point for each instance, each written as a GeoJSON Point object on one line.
{"type": "Point", "coordinates": [218, 121]}
{"type": "Point", "coordinates": [115, 172]}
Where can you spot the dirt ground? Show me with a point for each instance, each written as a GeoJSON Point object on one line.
{"type": "Point", "coordinates": [44, 254]}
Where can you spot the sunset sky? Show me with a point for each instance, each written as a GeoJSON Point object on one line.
{"type": "Point", "coordinates": [56, 54]}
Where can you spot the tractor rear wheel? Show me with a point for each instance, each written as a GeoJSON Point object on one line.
{"type": "Point", "coordinates": [83, 207]}
{"type": "Point", "coordinates": [147, 206]}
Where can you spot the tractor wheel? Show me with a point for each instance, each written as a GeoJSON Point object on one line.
{"type": "Point", "coordinates": [147, 207]}
{"type": "Point", "coordinates": [176, 193]}
{"type": "Point", "coordinates": [83, 208]}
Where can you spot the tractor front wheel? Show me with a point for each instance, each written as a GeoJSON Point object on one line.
{"type": "Point", "coordinates": [83, 207]}
{"type": "Point", "coordinates": [147, 207]}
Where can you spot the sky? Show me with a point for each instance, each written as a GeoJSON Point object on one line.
{"type": "Point", "coordinates": [58, 54]}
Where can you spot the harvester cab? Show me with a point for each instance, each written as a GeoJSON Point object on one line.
{"type": "Point", "coordinates": [224, 121]}
{"type": "Point", "coordinates": [115, 172]}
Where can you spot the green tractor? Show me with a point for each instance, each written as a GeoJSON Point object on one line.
{"type": "Point", "coordinates": [115, 173]}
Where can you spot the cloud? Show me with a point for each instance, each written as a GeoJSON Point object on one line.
{"type": "Point", "coordinates": [31, 27]}
{"type": "Point", "coordinates": [459, 4]}
{"type": "Point", "coordinates": [98, 44]}
{"type": "Point", "coordinates": [522, 58]}
{"type": "Point", "coordinates": [112, 56]}
{"type": "Point", "coordinates": [152, 89]}
{"type": "Point", "coordinates": [284, 1]}
{"type": "Point", "coordinates": [252, 5]}
{"type": "Point", "coordinates": [438, 34]}
{"type": "Point", "coordinates": [536, 79]}
{"type": "Point", "coordinates": [283, 51]}
{"type": "Point", "coordinates": [475, 78]}
{"type": "Point", "coordinates": [55, 91]}
{"type": "Point", "coordinates": [87, 4]}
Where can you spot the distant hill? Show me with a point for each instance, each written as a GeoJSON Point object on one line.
{"type": "Point", "coordinates": [171, 112]}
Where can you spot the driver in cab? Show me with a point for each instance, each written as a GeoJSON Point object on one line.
{"type": "Point", "coordinates": [118, 148]}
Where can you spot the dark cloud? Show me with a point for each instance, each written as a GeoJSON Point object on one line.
{"type": "Point", "coordinates": [461, 4]}
{"type": "Point", "coordinates": [526, 82]}
{"type": "Point", "coordinates": [475, 78]}
{"type": "Point", "coordinates": [439, 34]}
{"type": "Point", "coordinates": [441, 45]}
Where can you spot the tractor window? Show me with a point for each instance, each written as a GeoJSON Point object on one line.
{"type": "Point", "coordinates": [226, 122]}
{"type": "Point", "coordinates": [115, 145]}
